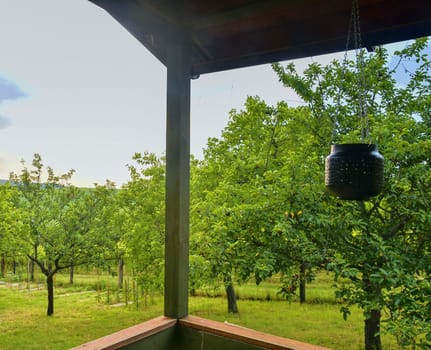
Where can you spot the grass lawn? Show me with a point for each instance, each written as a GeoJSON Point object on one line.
{"type": "Point", "coordinates": [78, 318]}
{"type": "Point", "coordinates": [82, 315]}
{"type": "Point", "coordinates": [318, 321]}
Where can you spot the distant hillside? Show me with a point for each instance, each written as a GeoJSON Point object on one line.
{"type": "Point", "coordinates": [2, 182]}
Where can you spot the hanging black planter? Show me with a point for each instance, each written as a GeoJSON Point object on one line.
{"type": "Point", "coordinates": [354, 171]}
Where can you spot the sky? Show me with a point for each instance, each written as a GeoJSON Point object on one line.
{"type": "Point", "coordinates": [82, 92]}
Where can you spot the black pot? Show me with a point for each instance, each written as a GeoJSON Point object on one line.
{"type": "Point", "coordinates": [354, 171]}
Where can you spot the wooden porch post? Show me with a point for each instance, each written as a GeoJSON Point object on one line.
{"type": "Point", "coordinates": [177, 180]}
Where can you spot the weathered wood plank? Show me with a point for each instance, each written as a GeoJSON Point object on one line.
{"type": "Point", "coordinates": [129, 335]}
{"type": "Point", "coordinates": [246, 335]}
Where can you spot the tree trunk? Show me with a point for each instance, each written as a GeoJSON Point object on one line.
{"type": "Point", "coordinates": [232, 306]}
{"type": "Point", "coordinates": [31, 270]}
{"type": "Point", "coordinates": [71, 274]}
{"type": "Point", "coordinates": [372, 331]}
{"type": "Point", "coordinates": [302, 283]}
{"type": "Point", "coordinates": [120, 273]}
{"type": "Point", "coordinates": [50, 286]}
{"type": "Point", "coordinates": [32, 264]}
{"type": "Point", "coordinates": [3, 266]}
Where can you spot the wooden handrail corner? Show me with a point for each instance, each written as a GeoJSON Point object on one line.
{"type": "Point", "coordinates": [129, 335]}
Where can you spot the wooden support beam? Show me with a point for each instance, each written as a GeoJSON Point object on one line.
{"type": "Point", "coordinates": [177, 179]}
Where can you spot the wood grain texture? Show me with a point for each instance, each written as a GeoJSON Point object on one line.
{"type": "Point", "coordinates": [246, 335]}
{"type": "Point", "coordinates": [129, 335]}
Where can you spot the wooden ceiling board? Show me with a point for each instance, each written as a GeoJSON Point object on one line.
{"type": "Point", "coordinates": [227, 34]}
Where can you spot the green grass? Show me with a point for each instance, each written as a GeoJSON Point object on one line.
{"type": "Point", "coordinates": [319, 324]}
{"type": "Point", "coordinates": [319, 321]}
{"type": "Point", "coordinates": [82, 314]}
{"type": "Point", "coordinates": [319, 291]}
{"type": "Point", "coordinates": [78, 318]}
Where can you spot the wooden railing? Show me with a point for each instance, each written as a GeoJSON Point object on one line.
{"type": "Point", "coordinates": [129, 335]}
{"type": "Point", "coordinates": [141, 334]}
{"type": "Point", "coordinates": [245, 335]}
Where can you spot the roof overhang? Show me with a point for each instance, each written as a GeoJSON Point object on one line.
{"type": "Point", "coordinates": [227, 34]}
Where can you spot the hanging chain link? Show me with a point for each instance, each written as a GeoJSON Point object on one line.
{"type": "Point", "coordinates": [354, 30]}
{"type": "Point", "coordinates": [360, 70]}
{"type": "Point", "coordinates": [343, 71]}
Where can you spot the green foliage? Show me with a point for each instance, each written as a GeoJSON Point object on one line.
{"type": "Point", "coordinates": [258, 205]}
{"type": "Point", "coordinates": [382, 246]}
{"type": "Point", "coordinates": [140, 216]}
{"type": "Point", "coordinates": [12, 224]}
{"type": "Point", "coordinates": [62, 221]}
{"type": "Point", "coordinates": [249, 218]}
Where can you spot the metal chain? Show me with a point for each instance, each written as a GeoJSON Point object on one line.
{"type": "Point", "coordinates": [360, 70]}
{"type": "Point", "coordinates": [343, 76]}
{"type": "Point", "coordinates": [354, 30]}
